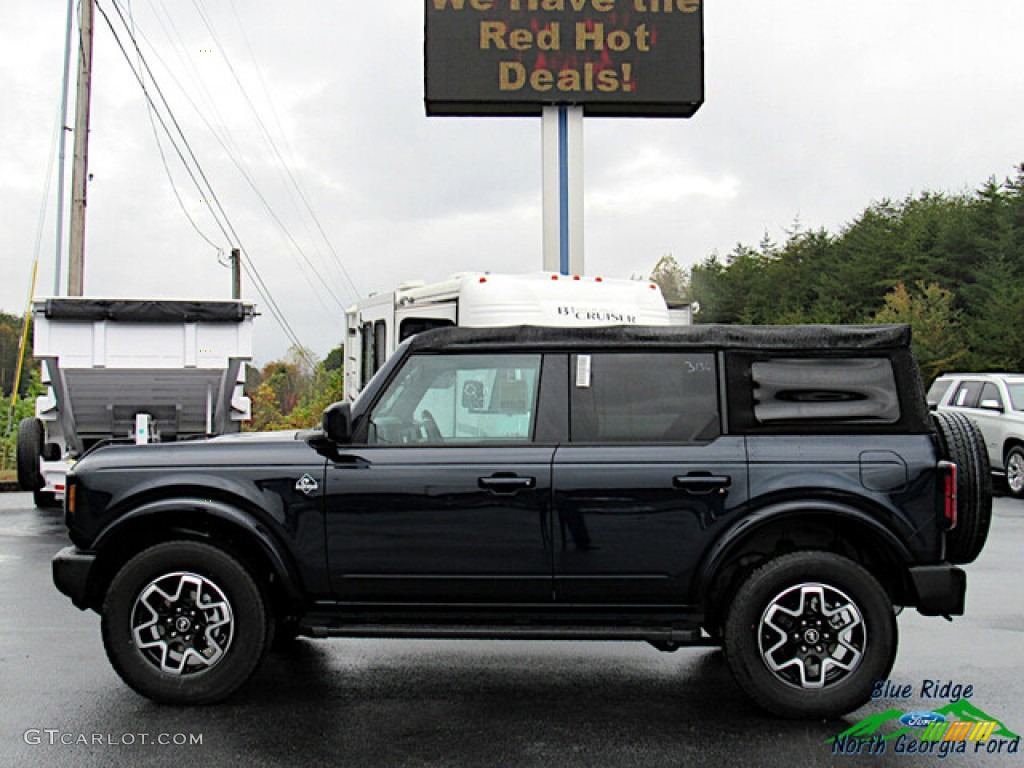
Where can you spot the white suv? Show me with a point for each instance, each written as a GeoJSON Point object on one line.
{"type": "Point", "coordinates": [995, 401]}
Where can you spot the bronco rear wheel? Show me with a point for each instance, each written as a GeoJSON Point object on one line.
{"type": "Point", "coordinates": [184, 623]}
{"type": "Point", "coordinates": [809, 633]}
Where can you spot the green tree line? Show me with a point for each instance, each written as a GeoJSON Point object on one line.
{"type": "Point", "coordinates": [10, 343]}
{"type": "Point", "coordinates": [291, 393]}
{"type": "Point", "coordinates": [950, 265]}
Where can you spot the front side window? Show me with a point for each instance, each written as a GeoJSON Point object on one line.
{"type": "Point", "coordinates": [657, 397]}
{"type": "Point", "coordinates": [458, 399]}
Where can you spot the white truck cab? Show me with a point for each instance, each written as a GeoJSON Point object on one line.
{"type": "Point", "coordinates": [376, 325]}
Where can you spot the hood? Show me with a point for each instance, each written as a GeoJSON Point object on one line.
{"type": "Point", "coordinates": [243, 449]}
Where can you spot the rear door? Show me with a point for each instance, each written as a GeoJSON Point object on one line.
{"type": "Point", "coordinates": [646, 480]}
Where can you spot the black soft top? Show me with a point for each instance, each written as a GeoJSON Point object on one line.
{"type": "Point", "coordinates": [751, 337]}
{"type": "Point", "coordinates": [145, 310]}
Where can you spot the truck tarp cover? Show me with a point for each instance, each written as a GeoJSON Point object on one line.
{"type": "Point", "coordinates": [146, 310]}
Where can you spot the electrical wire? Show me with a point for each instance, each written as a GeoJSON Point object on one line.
{"type": "Point", "coordinates": [271, 143]}
{"type": "Point", "coordinates": [233, 154]}
{"type": "Point", "coordinates": [296, 181]}
{"type": "Point", "coordinates": [163, 160]}
{"type": "Point", "coordinates": [202, 183]}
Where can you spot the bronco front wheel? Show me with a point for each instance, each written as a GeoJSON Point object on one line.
{"type": "Point", "coordinates": [184, 623]}
{"type": "Point", "coordinates": [809, 633]}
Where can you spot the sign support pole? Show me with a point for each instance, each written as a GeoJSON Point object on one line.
{"type": "Point", "coordinates": [562, 151]}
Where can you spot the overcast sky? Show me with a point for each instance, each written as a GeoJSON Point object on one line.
{"type": "Point", "coordinates": [814, 109]}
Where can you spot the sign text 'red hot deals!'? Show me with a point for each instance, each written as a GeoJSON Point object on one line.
{"type": "Point", "coordinates": [613, 57]}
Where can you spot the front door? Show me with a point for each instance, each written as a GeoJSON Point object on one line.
{"type": "Point", "coordinates": [448, 501]}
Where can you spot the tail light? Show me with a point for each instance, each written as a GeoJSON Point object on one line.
{"type": "Point", "coordinates": [948, 471]}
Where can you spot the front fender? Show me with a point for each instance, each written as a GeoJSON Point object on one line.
{"type": "Point", "coordinates": [189, 514]}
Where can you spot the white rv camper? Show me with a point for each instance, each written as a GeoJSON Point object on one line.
{"type": "Point", "coordinates": [375, 326]}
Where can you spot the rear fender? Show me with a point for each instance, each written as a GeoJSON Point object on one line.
{"type": "Point", "coordinates": [825, 514]}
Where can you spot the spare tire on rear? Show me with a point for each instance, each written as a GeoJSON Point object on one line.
{"type": "Point", "coordinates": [962, 443]}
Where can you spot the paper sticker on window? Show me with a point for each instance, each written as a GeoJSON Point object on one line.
{"type": "Point", "coordinates": [583, 371]}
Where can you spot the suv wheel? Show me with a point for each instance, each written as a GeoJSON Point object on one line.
{"type": "Point", "coordinates": [963, 444]}
{"type": "Point", "coordinates": [1015, 471]}
{"type": "Point", "coordinates": [184, 623]}
{"type": "Point", "coordinates": [809, 633]}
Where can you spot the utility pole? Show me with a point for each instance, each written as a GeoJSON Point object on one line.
{"type": "Point", "coordinates": [61, 164]}
{"type": "Point", "coordinates": [80, 169]}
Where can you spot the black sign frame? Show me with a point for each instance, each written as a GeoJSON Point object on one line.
{"type": "Point", "coordinates": [615, 58]}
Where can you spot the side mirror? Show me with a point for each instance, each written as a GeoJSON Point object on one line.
{"type": "Point", "coordinates": [991, 405]}
{"type": "Point", "coordinates": [337, 423]}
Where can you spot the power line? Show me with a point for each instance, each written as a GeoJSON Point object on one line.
{"type": "Point", "coordinates": [233, 153]}
{"type": "Point", "coordinates": [287, 166]}
{"type": "Point", "coordinates": [201, 182]}
{"type": "Point", "coordinates": [163, 158]}
{"type": "Point", "coordinates": [273, 147]}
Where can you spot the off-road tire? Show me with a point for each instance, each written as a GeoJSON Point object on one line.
{"type": "Point", "coordinates": [862, 634]}
{"type": "Point", "coordinates": [30, 449]}
{"type": "Point", "coordinates": [962, 443]}
{"type": "Point", "coordinates": [128, 608]}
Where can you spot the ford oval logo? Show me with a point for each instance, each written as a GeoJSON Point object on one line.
{"type": "Point", "coordinates": [921, 719]}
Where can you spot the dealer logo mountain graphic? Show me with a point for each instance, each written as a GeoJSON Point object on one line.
{"type": "Point", "coordinates": [960, 710]}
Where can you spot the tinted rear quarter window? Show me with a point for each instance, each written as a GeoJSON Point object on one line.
{"type": "Point", "coordinates": [832, 390]}
{"type": "Point", "coordinates": [809, 392]}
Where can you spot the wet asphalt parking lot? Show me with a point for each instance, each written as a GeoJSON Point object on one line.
{"type": "Point", "coordinates": [472, 703]}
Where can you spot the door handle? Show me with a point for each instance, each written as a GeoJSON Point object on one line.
{"type": "Point", "coordinates": [502, 483]}
{"type": "Point", "coordinates": [702, 483]}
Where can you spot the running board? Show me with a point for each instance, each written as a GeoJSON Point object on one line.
{"type": "Point", "coordinates": [659, 636]}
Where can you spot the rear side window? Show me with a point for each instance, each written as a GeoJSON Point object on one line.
{"type": "Point", "coordinates": [968, 395]}
{"type": "Point", "coordinates": [644, 398]}
{"type": "Point", "coordinates": [990, 397]}
{"type": "Point", "coordinates": [825, 390]}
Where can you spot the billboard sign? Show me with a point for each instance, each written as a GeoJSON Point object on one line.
{"type": "Point", "coordinates": [612, 57]}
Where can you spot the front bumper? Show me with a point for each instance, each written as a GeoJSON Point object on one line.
{"type": "Point", "coordinates": [71, 571]}
{"type": "Point", "coordinates": [941, 589]}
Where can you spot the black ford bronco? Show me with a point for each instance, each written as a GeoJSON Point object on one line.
{"type": "Point", "coordinates": [777, 491]}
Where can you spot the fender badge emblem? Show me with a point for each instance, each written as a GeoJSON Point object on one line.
{"type": "Point", "coordinates": [307, 485]}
